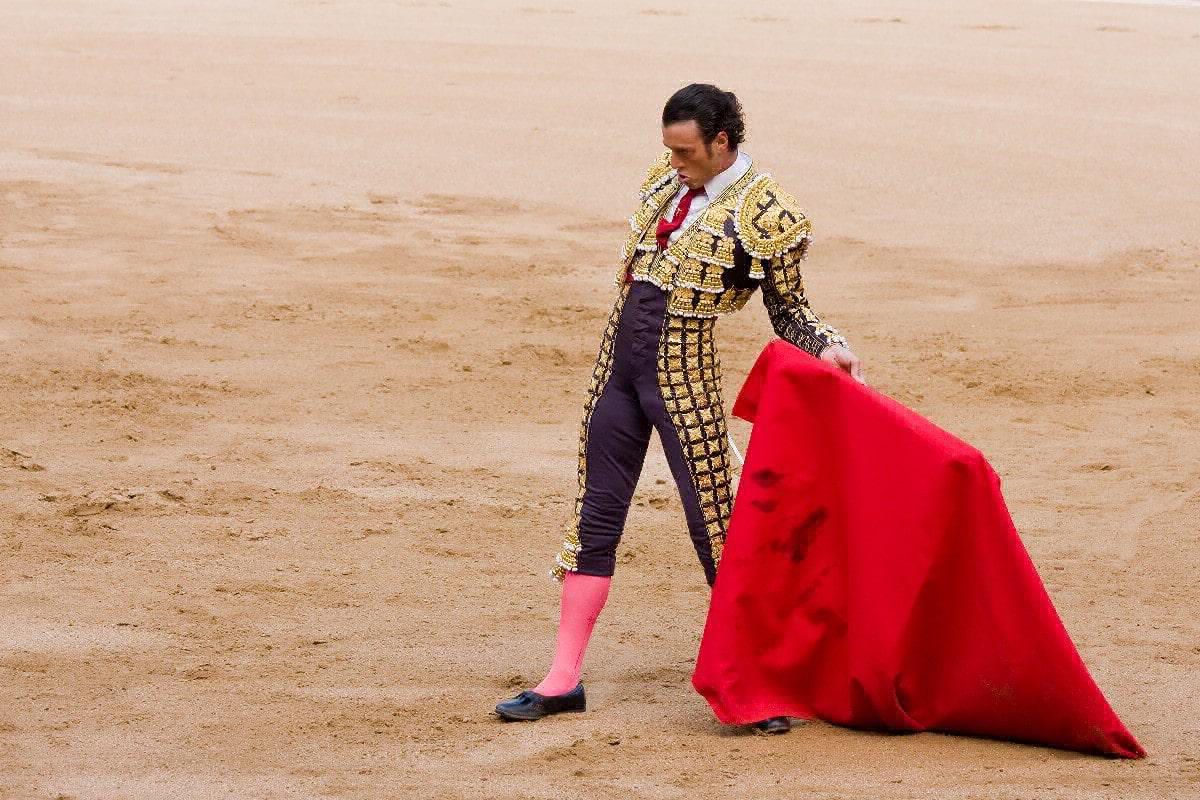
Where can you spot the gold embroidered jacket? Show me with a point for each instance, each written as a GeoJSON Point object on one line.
{"type": "Point", "coordinates": [753, 234]}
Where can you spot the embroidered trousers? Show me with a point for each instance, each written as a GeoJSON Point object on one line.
{"type": "Point", "coordinates": [656, 372]}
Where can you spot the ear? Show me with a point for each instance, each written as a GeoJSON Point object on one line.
{"type": "Point", "coordinates": [721, 140]}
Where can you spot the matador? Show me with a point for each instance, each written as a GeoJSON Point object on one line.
{"type": "Point", "coordinates": [710, 230]}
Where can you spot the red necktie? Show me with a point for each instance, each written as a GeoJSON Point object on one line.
{"type": "Point", "coordinates": [666, 228]}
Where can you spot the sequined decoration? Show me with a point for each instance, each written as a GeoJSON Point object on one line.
{"type": "Point", "coordinates": [689, 377]}
{"type": "Point", "coordinates": [769, 221]}
{"type": "Point", "coordinates": [791, 316]}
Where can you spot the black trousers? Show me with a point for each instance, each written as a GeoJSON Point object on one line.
{"type": "Point", "coordinates": [618, 433]}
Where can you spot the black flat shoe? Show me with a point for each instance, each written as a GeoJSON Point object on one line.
{"type": "Point", "coordinates": [529, 705]}
{"type": "Point", "coordinates": [774, 725]}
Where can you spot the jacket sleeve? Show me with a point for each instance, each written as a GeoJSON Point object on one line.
{"type": "Point", "coordinates": [774, 232]}
{"type": "Point", "coordinates": [791, 316]}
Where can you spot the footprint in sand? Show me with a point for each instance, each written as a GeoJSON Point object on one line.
{"type": "Point", "coordinates": [880, 19]}
{"type": "Point", "coordinates": [377, 199]}
{"type": "Point", "coordinates": [461, 204]}
{"type": "Point", "coordinates": [592, 226]}
{"type": "Point", "coordinates": [19, 460]}
{"type": "Point", "coordinates": [98, 160]}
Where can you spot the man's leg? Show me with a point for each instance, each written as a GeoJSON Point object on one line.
{"type": "Point", "coordinates": [617, 438]}
{"type": "Point", "coordinates": [618, 434]}
{"type": "Point", "coordinates": [583, 596]}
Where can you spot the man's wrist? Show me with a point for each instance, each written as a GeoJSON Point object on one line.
{"type": "Point", "coordinates": [836, 341]}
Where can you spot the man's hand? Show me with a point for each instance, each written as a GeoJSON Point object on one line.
{"type": "Point", "coordinates": [844, 358]}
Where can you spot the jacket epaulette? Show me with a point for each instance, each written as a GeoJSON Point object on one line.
{"type": "Point", "coordinates": [769, 221]}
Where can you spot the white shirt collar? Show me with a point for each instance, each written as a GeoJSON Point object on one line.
{"type": "Point", "coordinates": [723, 180]}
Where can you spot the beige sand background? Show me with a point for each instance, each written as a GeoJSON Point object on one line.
{"type": "Point", "coordinates": [298, 302]}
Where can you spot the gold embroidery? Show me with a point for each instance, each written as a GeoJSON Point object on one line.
{"type": "Point", "coordinates": [791, 316]}
{"type": "Point", "coordinates": [765, 220]}
{"type": "Point", "coordinates": [768, 220]}
{"type": "Point", "coordinates": [691, 391]}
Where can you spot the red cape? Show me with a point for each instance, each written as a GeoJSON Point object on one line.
{"type": "Point", "coordinates": [873, 578]}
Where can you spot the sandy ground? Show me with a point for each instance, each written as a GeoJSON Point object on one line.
{"type": "Point", "coordinates": [298, 302]}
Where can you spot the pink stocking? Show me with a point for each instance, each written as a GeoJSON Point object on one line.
{"type": "Point", "coordinates": [582, 598]}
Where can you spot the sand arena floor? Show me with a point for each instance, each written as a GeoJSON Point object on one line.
{"type": "Point", "coordinates": [298, 303]}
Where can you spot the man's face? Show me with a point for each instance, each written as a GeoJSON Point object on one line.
{"type": "Point", "coordinates": [695, 161]}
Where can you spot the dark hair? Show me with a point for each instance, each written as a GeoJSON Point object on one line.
{"type": "Point", "coordinates": [712, 109]}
